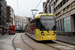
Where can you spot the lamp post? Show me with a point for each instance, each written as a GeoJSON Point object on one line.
{"type": "Point", "coordinates": [34, 13]}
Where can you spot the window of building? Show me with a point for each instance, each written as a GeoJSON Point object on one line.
{"type": "Point", "coordinates": [54, 3]}
{"type": "Point", "coordinates": [67, 0]}
{"type": "Point", "coordinates": [56, 8]}
{"type": "Point", "coordinates": [52, 9]}
{"type": "Point", "coordinates": [69, 6]}
{"type": "Point", "coordinates": [64, 1]}
{"type": "Point", "coordinates": [67, 24]}
{"type": "Point", "coordinates": [51, 0]}
{"type": "Point", "coordinates": [61, 12]}
{"type": "Point", "coordinates": [60, 4]}
{"type": "Point", "coordinates": [64, 9]}
{"type": "Point", "coordinates": [59, 25]}
{"type": "Point", "coordinates": [56, 15]}
{"type": "Point", "coordinates": [56, 0]}
{"type": "Point", "coordinates": [73, 4]}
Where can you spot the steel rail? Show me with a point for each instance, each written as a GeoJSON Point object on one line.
{"type": "Point", "coordinates": [26, 43]}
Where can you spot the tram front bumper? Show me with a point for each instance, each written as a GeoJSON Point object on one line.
{"type": "Point", "coordinates": [42, 38]}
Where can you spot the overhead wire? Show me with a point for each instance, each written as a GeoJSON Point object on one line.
{"type": "Point", "coordinates": [37, 6]}
{"type": "Point", "coordinates": [39, 3]}
{"type": "Point", "coordinates": [17, 7]}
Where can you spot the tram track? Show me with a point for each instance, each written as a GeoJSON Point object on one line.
{"type": "Point", "coordinates": [15, 47]}
{"type": "Point", "coordinates": [55, 45]}
{"type": "Point", "coordinates": [13, 43]}
{"type": "Point", "coordinates": [58, 46]}
{"type": "Point", "coordinates": [65, 45]}
{"type": "Point", "coordinates": [65, 42]}
{"type": "Point", "coordinates": [26, 43]}
{"type": "Point", "coordinates": [52, 47]}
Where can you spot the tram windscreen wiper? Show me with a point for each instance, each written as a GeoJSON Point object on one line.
{"type": "Point", "coordinates": [48, 29]}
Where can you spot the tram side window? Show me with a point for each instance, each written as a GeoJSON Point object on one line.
{"type": "Point", "coordinates": [37, 23]}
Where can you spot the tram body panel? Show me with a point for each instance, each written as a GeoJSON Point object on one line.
{"type": "Point", "coordinates": [45, 27]}
{"type": "Point", "coordinates": [47, 35]}
{"type": "Point", "coordinates": [32, 35]}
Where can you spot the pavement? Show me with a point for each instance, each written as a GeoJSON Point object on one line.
{"type": "Point", "coordinates": [0, 35]}
{"type": "Point", "coordinates": [66, 39]}
{"type": "Point", "coordinates": [6, 42]}
{"type": "Point", "coordinates": [3, 35]}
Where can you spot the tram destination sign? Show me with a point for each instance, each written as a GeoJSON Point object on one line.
{"type": "Point", "coordinates": [47, 17]}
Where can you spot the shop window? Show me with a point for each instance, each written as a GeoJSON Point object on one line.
{"type": "Point", "coordinates": [57, 25]}
{"type": "Point", "coordinates": [67, 24]}
{"type": "Point", "coordinates": [64, 24]}
{"type": "Point", "coordinates": [61, 24]}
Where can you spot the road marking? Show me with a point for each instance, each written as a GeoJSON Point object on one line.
{"type": "Point", "coordinates": [19, 49]}
{"type": "Point", "coordinates": [65, 47]}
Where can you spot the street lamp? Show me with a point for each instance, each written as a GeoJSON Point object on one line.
{"type": "Point", "coordinates": [35, 12]}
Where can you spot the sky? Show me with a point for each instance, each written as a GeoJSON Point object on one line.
{"type": "Point", "coordinates": [25, 6]}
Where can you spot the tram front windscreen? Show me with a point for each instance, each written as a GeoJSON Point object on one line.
{"type": "Point", "coordinates": [47, 23]}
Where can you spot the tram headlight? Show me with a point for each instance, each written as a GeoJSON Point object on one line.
{"type": "Point", "coordinates": [54, 33]}
{"type": "Point", "coordinates": [42, 33]}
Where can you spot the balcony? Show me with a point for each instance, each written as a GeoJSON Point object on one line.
{"type": "Point", "coordinates": [1, 16]}
{"type": "Point", "coordinates": [8, 19]}
{"type": "Point", "coordinates": [1, 3]}
{"type": "Point", "coordinates": [1, 22]}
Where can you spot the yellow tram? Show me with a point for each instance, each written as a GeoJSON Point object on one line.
{"type": "Point", "coordinates": [42, 27]}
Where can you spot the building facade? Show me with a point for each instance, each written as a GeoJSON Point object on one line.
{"type": "Point", "coordinates": [65, 20]}
{"type": "Point", "coordinates": [20, 22]}
{"type": "Point", "coordinates": [2, 16]}
{"type": "Point", "coordinates": [48, 7]}
{"type": "Point", "coordinates": [10, 15]}
{"type": "Point", "coordinates": [10, 20]}
{"type": "Point", "coordinates": [64, 11]}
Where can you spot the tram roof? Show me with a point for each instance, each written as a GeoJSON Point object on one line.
{"type": "Point", "coordinates": [41, 15]}
{"type": "Point", "coordinates": [37, 17]}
